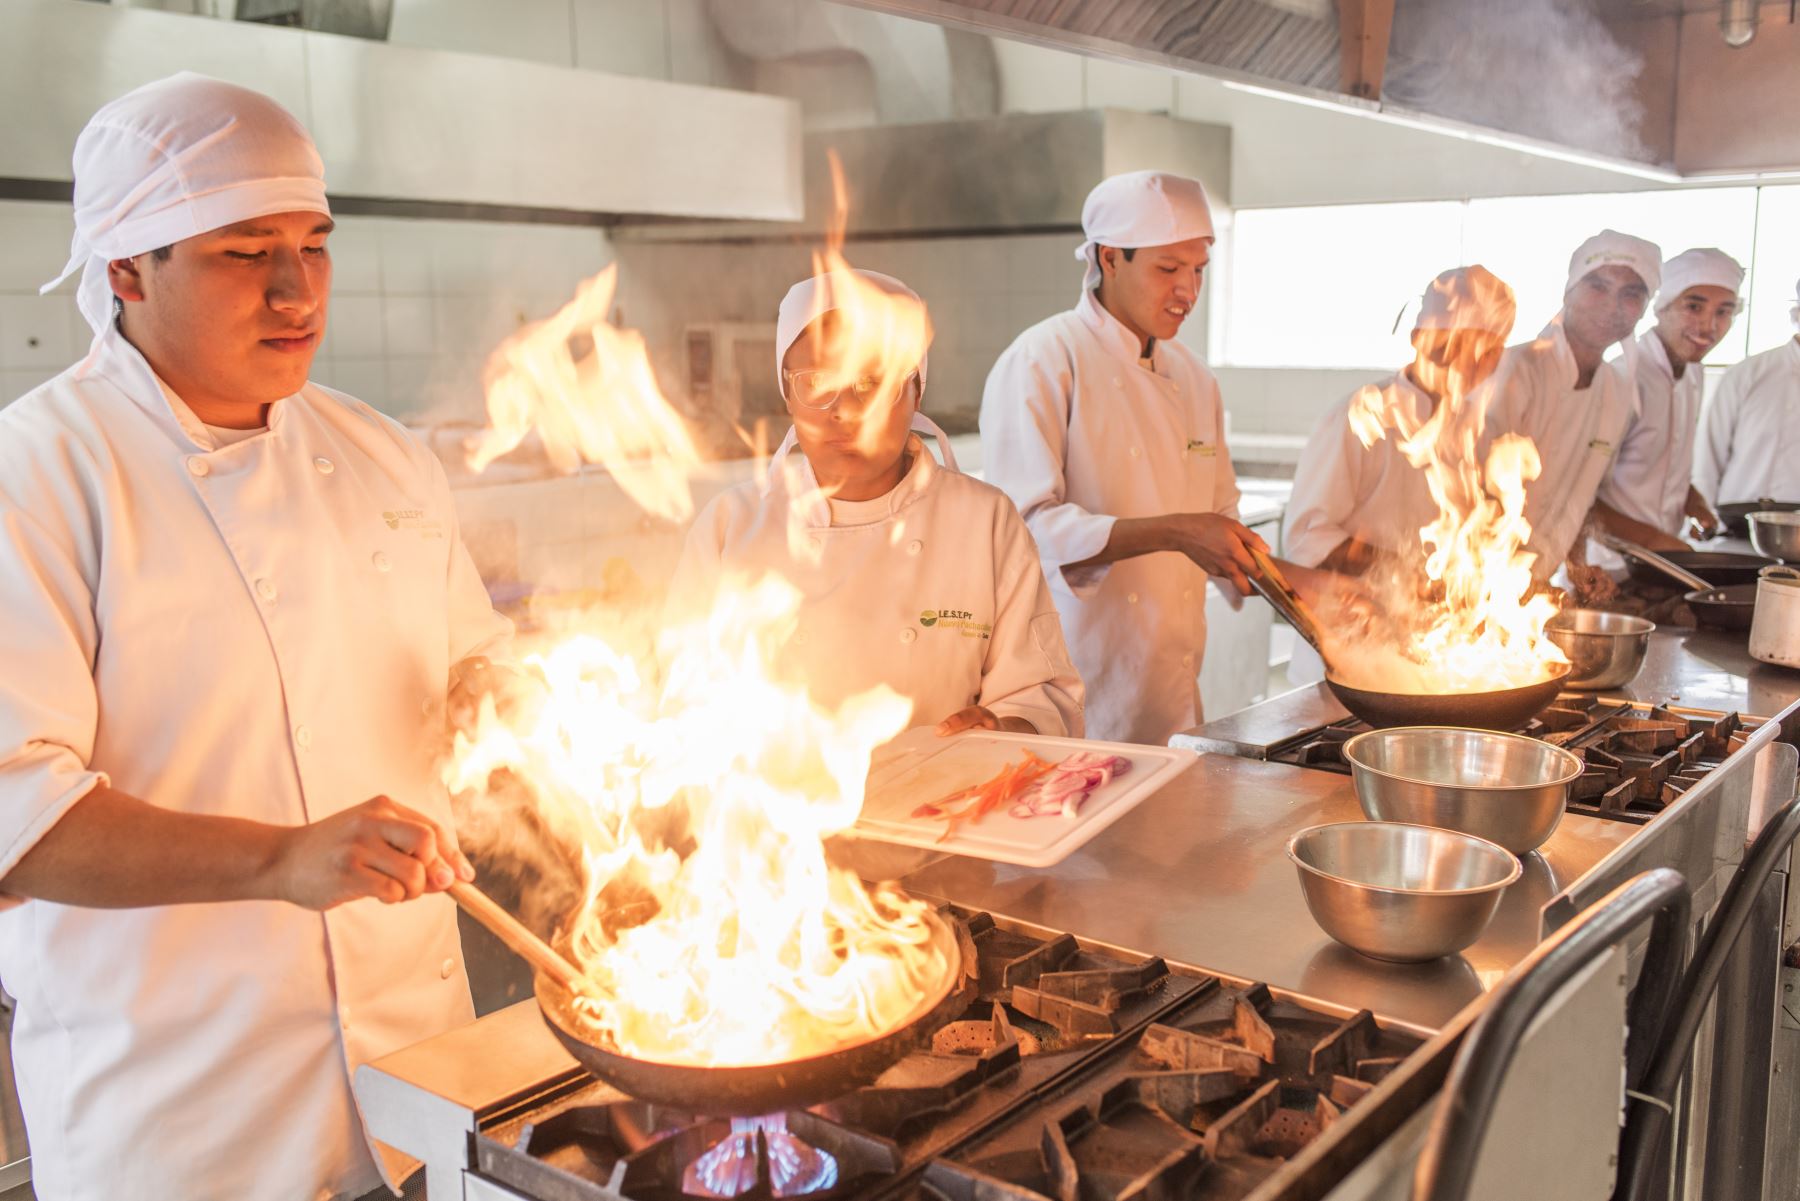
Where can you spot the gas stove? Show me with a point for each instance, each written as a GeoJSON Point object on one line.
{"type": "Point", "coordinates": [1078, 1069]}
{"type": "Point", "coordinates": [1637, 758]}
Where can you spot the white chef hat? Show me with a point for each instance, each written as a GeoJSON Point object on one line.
{"type": "Point", "coordinates": [1468, 298]}
{"type": "Point", "coordinates": [803, 305]}
{"type": "Point", "coordinates": [1610, 248]}
{"type": "Point", "coordinates": [1697, 268]}
{"type": "Point", "coordinates": [177, 158]}
{"type": "Point", "coordinates": [1141, 208]}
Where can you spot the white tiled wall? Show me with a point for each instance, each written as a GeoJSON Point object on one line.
{"type": "Point", "coordinates": [416, 305]}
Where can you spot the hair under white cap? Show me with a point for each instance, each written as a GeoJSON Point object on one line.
{"type": "Point", "coordinates": [176, 158]}
{"type": "Point", "coordinates": [804, 304]}
{"type": "Point", "coordinates": [1141, 208]}
{"type": "Point", "coordinates": [1468, 298]}
{"type": "Point", "coordinates": [1701, 267]}
{"type": "Point", "coordinates": [1610, 248]}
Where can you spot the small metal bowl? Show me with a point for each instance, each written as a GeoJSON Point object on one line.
{"type": "Point", "coordinates": [1605, 649]}
{"type": "Point", "coordinates": [1504, 788]}
{"type": "Point", "coordinates": [1398, 892]}
{"type": "Point", "coordinates": [1776, 535]}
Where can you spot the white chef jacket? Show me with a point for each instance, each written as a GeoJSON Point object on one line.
{"type": "Point", "coordinates": [1649, 478]}
{"type": "Point", "coordinates": [933, 590]}
{"type": "Point", "coordinates": [1577, 433]}
{"type": "Point", "coordinates": [1343, 489]}
{"type": "Point", "coordinates": [1749, 445]}
{"type": "Point", "coordinates": [263, 630]}
{"type": "Point", "coordinates": [1079, 432]}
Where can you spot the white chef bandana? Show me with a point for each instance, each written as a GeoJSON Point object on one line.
{"type": "Point", "coordinates": [803, 305]}
{"type": "Point", "coordinates": [1698, 268]}
{"type": "Point", "coordinates": [1610, 248]}
{"type": "Point", "coordinates": [1468, 298]}
{"type": "Point", "coordinates": [174, 159]}
{"type": "Point", "coordinates": [1137, 209]}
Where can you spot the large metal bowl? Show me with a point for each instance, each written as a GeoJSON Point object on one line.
{"type": "Point", "coordinates": [1504, 788]}
{"type": "Point", "coordinates": [1776, 535]}
{"type": "Point", "coordinates": [1605, 649]}
{"type": "Point", "coordinates": [1402, 893]}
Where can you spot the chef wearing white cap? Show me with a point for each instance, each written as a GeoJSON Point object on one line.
{"type": "Point", "coordinates": [1750, 435]}
{"type": "Point", "coordinates": [1110, 437]}
{"type": "Point", "coordinates": [910, 573]}
{"type": "Point", "coordinates": [1560, 391]}
{"type": "Point", "coordinates": [1649, 496]}
{"type": "Point", "coordinates": [231, 602]}
{"type": "Point", "coordinates": [1356, 496]}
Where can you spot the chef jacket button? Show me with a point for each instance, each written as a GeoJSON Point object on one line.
{"type": "Point", "coordinates": [382, 562]}
{"type": "Point", "coordinates": [303, 736]}
{"type": "Point", "coordinates": [324, 465]}
{"type": "Point", "coordinates": [1117, 382]}
{"type": "Point", "coordinates": [344, 1017]}
{"type": "Point", "coordinates": [1188, 594]}
{"type": "Point", "coordinates": [908, 634]}
{"type": "Point", "coordinates": [1187, 660]}
{"type": "Point", "coordinates": [1131, 597]}
{"type": "Point", "coordinates": [800, 638]}
{"type": "Point", "coordinates": [914, 547]}
{"type": "Point", "coordinates": [1136, 453]}
{"type": "Point", "coordinates": [266, 589]}
{"type": "Point", "coordinates": [197, 465]}
{"type": "Point", "coordinates": [447, 968]}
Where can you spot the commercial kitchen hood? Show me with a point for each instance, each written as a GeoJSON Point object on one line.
{"type": "Point", "coordinates": [1017, 174]}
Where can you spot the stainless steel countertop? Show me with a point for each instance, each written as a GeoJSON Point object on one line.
{"type": "Point", "coordinates": [1199, 873]}
{"type": "Point", "coordinates": [1711, 669]}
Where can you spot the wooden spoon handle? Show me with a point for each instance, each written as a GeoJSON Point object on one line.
{"type": "Point", "coordinates": [509, 930]}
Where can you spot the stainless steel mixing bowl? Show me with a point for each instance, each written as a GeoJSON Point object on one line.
{"type": "Point", "coordinates": [1776, 535]}
{"type": "Point", "coordinates": [1399, 892]}
{"type": "Point", "coordinates": [1505, 788]}
{"type": "Point", "coordinates": [1604, 649]}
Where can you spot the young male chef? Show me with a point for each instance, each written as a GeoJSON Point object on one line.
{"type": "Point", "coordinates": [1110, 437]}
{"type": "Point", "coordinates": [230, 605]}
{"type": "Point", "coordinates": [1560, 391]}
{"type": "Point", "coordinates": [911, 574]}
{"type": "Point", "coordinates": [1750, 436]}
{"type": "Point", "coordinates": [1649, 496]}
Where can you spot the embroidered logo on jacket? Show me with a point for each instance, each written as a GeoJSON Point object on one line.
{"type": "Point", "coordinates": [960, 620]}
{"type": "Point", "coordinates": [1201, 448]}
{"type": "Point", "coordinates": [412, 519]}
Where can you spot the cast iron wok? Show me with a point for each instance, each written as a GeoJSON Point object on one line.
{"type": "Point", "coordinates": [1728, 608]}
{"type": "Point", "coordinates": [1506, 709]}
{"type": "Point", "coordinates": [762, 1088]}
{"type": "Point", "coordinates": [1717, 567]}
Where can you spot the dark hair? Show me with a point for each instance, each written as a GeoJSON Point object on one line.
{"type": "Point", "coordinates": [161, 253]}
{"type": "Point", "coordinates": [1127, 251]}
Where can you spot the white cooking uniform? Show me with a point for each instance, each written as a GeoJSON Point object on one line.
{"type": "Point", "coordinates": [1344, 490]}
{"type": "Point", "coordinates": [1079, 431]}
{"type": "Point", "coordinates": [933, 589]}
{"type": "Point", "coordinates": [255, 625]}
{"type": "Point", "coordinates": [265, 631]}
{"type": "Point", "coordinates": [1749, 444]}
{"type": "Point", "coordinates": [1650, 477]}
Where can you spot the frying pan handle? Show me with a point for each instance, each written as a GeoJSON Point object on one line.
{"type": "Point", "coordinates": [1645, 555]}
{"type": "Point", "coordinates": [519, 939]}
{"type": "Point", "coordinates": [1274, 587]}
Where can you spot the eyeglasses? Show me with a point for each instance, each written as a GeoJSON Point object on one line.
{"type": "Point", "coordinates": [819, 388]}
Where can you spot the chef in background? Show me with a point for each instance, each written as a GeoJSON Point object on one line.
{"type": "Point", "coordinates": [1574, 405]}
{"type": "Point", "coordinates": [1649, 497]}
{"type": "Point", "coordinates": [1358, 503]}
{"type": "Point", "coordinates": [1749, 446]}
{"type": "Point", "coordinates": [911, 574]}
{"type": "Point", "coordinates": [231, 604]}
{"type": "Point", "coordinates": [1109, 435]}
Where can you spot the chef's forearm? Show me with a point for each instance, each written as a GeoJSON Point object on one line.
{"type": "Point", "coordinates": [1131, 537]}
{"type": "Point", "coordinates": [1642, 533]}
{"type": "Point", "coordinates": [111, 850]}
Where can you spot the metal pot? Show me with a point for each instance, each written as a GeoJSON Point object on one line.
{"type": "Point", "coordinates": [1402, 893]}
{"type": "Point", "coordinates": [1505, 709]}
{"type": "Point", "coordinates": [1775, 631]}
{"type": "Point", "coordinates": [1776, 535]}
{"type": "Point", "coordinates": [1505, 788]}
{"type": "Point", "coordinates": [1730, 608]}
{"type": "Point", "coordinates": [1605, 649]}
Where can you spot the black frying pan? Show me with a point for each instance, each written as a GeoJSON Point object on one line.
{"type": "Point", "coordinates": [1728, 608]}
{"type": "Point", "coordinates": [1506, 709]}
{"type": "Point", "coordinates": [1717, 567]}
{"type": "Point", "coordinates": [1734, 519]}
{"type": "Point", "coordinates": [763, 1088]}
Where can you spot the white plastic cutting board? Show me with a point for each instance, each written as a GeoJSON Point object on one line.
{"type": "Point", "coordinates": [919, 766]}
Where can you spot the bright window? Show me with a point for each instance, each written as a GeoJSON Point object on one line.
{"type": "Point", "coordinates": [1777, 266]}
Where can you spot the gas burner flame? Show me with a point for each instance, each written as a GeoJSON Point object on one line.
{"type": "Point", "coordinates": [729, 1168]}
